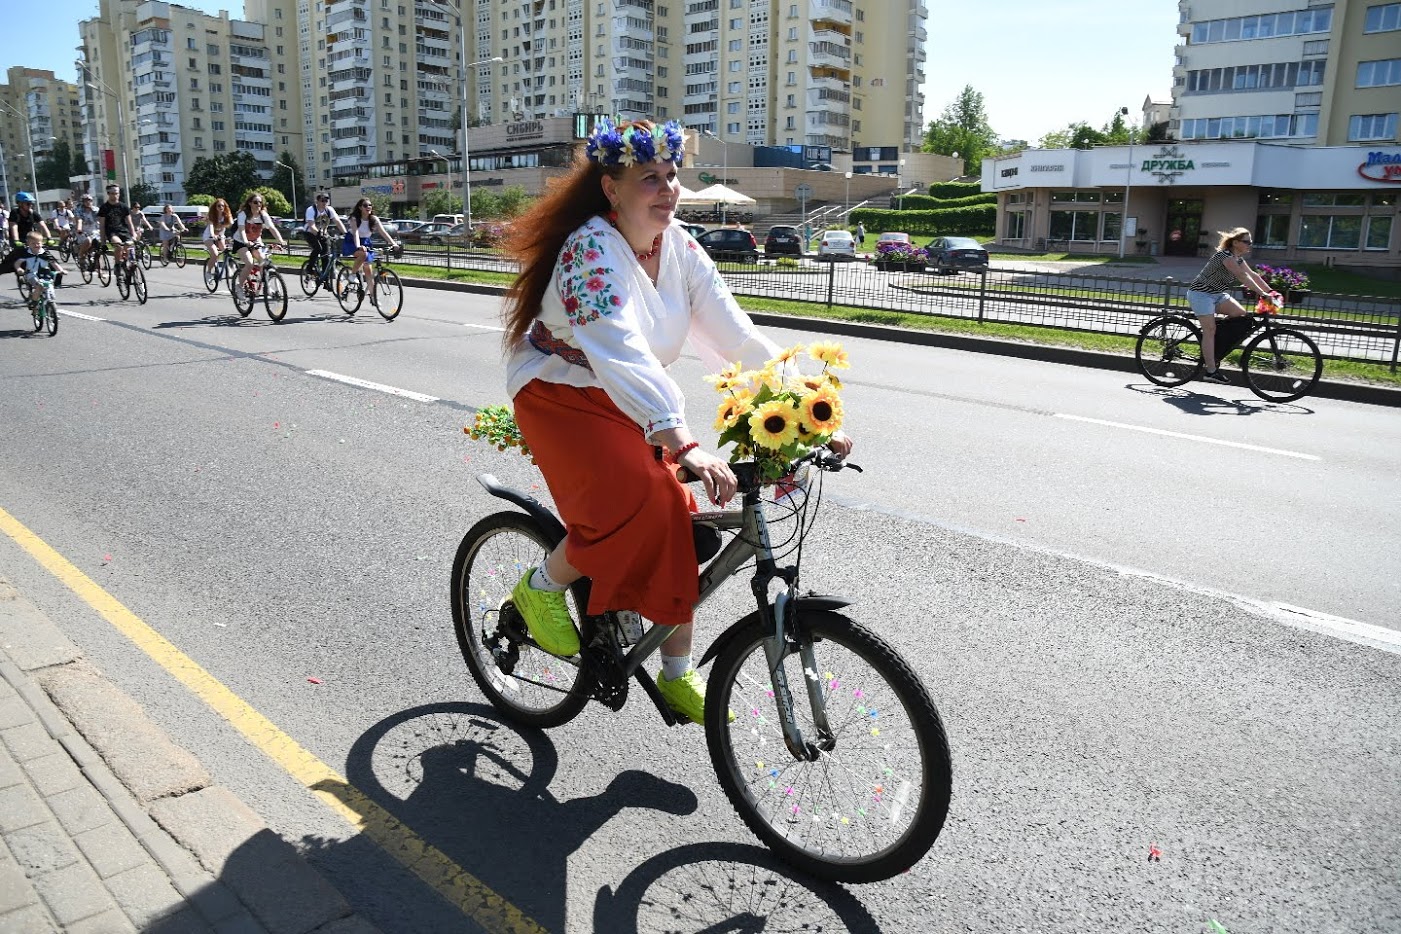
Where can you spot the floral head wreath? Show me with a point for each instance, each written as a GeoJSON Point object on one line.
{"type": "Point", "coordinates": [630, 144]}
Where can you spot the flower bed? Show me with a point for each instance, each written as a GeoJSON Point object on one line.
{"type": "Point", "coordinates": [893, 254]}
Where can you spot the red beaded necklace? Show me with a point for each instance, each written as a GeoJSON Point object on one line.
{"type": "Point", "coordinates": [612, 218]}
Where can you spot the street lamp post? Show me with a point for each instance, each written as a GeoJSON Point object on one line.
{"type": "Point", "coordinates": [293, 174]}
{"type": "Point", "coordinates": [462, 57]}
{"type": "Point", "coordinates": [1128, 176]}
{"type": "Point", "coordinates": [847, 212]}
{"type": "Point", "coordinates": [102, 87]}
{"type": "Point", "coordinates": [900, 186]}
{"type": "Point", "coordinates": [724, 171]}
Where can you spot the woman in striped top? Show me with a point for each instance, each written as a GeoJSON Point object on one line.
{"type": "Point", "coordinates": [1209, 293]}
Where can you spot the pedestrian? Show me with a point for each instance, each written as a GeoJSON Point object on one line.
{"type": "Point", "coordinates": [1208, 292]}
{"type": "Point", "coordinates": [860, 235]}
{"type": "Point", "coordinates": [609, 293]}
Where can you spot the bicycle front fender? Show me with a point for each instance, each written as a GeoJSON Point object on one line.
{"type": "Point", "coordinates": [537, 510]}
{"type": "Point", "coordinates": [812, 601]}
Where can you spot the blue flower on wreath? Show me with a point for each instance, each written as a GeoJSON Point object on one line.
{"type": "Point", "coordinates": [630, 144]}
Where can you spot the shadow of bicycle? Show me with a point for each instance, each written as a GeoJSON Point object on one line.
{"type": "Point", "coordinates": [1192, 402]}
{"type": "Point", "coordinates": [477, 793]}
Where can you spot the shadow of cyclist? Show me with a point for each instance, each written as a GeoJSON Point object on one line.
{"type": "Point", "coordinates": [478, 792]}
{"type": "Point", "coordinates": [1191, 402]}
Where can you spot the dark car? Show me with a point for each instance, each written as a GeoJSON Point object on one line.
{"type": "Point", "coordinates": [783, 239]}
{"type": "Point", "coordinates": [730, 244]}
{"type": "Point", "coordinates": [950, 254]}
{"type": "Point", "coordinates": [434, 233]}
{"type": "Point", "coordinates": [695, 230]}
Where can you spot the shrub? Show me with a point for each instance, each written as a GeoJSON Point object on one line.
{"type": "Point", "coordinates": [205, 200]}
{"type": "Point", "coordinates": [955, 189]}
{"type": "Point", "coordinates": [971, 221]}
{"type": "Point", "coordinates": [488, 235]}
{"type": "Point", "coordinates": [1282, 278]}
{"type": "Point", "coordinates": [894, 251]}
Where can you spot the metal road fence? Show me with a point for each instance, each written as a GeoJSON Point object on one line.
{"type": "Point", "coordinates": [1345, 327]}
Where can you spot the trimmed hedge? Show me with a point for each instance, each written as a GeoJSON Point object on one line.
{"type": "Point", "coordinates": [955, 189]}
{"type": "Point", "coordinates": [927, 203]}
{"type": "Point", "coordinates": [977, 220]}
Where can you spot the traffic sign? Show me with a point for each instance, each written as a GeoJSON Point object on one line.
{"type": "Point", "coordinates": [803, 192]}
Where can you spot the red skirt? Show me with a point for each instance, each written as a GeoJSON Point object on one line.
{"type": "Point", "coordinates": [627, 516]}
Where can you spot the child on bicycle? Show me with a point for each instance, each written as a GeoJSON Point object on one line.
{"type": "Point", "coordinates": [611, 288]}
{"type": "Point", "coordinates": [1208, 293]}
{"type": "Point", "coordinates": [33, 262]}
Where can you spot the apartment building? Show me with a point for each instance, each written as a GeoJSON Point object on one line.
{"type": "Point", "coordinates": [37, 110]}
{"type": "Point", "coordinates": [165, 84]}
{"type": "Point", "coordinates": [1299, 71]}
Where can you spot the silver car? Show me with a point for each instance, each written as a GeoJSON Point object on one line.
{"type": "Point", "coordinates": [836, 244]}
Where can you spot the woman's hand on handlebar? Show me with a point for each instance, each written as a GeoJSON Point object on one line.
{"type": "Point", "coordinates": [840, 444]}
{"type": "Point", "coordinates": [714, 473]}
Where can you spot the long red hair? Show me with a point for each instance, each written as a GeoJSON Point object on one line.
{"type": "Point", "coordinates": [537, 236]}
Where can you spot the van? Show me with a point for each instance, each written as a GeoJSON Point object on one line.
{"type": "Point", "coordinates": [449, 218]}
{"type": "Point", "coordinates": [188, 213]}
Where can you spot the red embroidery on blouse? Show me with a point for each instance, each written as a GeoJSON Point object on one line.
{"type": "Point", "coordinates": [542, 340]}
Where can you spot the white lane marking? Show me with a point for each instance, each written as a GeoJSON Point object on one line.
{"type": "Point", "coordinates": [1187, 437]}
{"type": "Point", "coordinates": [79, 314]}
{"type": "Point", "coordinates": [484, 327]}
{"type": "Point", "coordinates": [366, 384]}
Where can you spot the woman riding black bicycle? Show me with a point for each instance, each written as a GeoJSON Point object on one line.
{"type": "Point", "coordinates": [1208, 293]}
{"type": "Point", "coordinates": [610, 290]}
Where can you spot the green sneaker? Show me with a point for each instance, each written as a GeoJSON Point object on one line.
{"type": "Point", "coordinates": [547, 617]}
{"type": "Point", "coordinates": [685, 695]}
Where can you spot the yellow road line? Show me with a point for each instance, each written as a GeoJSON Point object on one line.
{"type": "Point", "coordinates": [463, 890]}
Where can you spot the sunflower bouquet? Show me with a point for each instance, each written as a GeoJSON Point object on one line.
{"type": "Point", "coordinates": [496, 425]}
{"type": "Point", "coordinates": [777, 414]}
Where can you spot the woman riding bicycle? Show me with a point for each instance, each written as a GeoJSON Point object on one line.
{"type": "Point", "coordinates": [216, 226]}
{"type": "Point", "coordinates": [1208, 293]}
{"type": "Point", "coordinates": [610, 290]}
{"type": "Point", "coordinates": [248, 238]}
{"type": "Point", "coordinates": [171, 227]}
{"type": "Point", "coordinates": [364, 223]}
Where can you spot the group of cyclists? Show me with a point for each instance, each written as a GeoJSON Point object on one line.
{"type": "Point", "coordinates": [121, 226]}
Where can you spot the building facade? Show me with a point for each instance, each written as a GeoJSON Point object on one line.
{"type": "Point", "coordinates": [37, 110]}
{"type": "Point", "coordinates": [1335, 204]}
{"type": "Point", "coordinates": [1300, 71]}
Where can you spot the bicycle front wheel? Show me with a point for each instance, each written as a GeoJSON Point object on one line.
{"type": "Point", "coordinates": [1169, 350]}
{"type": "Point", "coordinates": [177, 253]}
{"type": "Point", "coordinates": [529, 686]}
{"type": "Point", "coordinates": [873, 798]}
{"type": "Point", "coordinates": [138, 284]}
{"type": "Point", "coordinates": [143, 256]}
{"type": "Point", "coordinates": [389, 294]}
{"type": "Point", "coordinates": [51, 316]}
{"type": "Point", "coordinates": [242, 298]}
{"type": "Point", "coordinates": [104, 269]}
{"type": "Point", "coordinates": [85, 269]}
{"type": "Point", "coordinates": [124, 278]}
{"type": "Point", "coordinates": [1281, 364]}
{"type": "Point", "coordinates": [274, 295]}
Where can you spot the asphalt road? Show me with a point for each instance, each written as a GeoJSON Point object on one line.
{"type": "Point", "coordinates": [1135, 609]}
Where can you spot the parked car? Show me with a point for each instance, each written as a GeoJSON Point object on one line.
{"type": "Point", "coordinates": [730, 243]}
{"type": "Point", "coordinates": [783, 239]}
{"type": "Point", "coordinates": [695, 230]}
{"type": "Point", "coordinates": [426, 233]}
{"type": "Point", "coordinates": [836, 244]}
{"type": "Point", "coordinates": [950, 254]}
{"type": "Point", "coordinates": [399, 228]}
{"type": "Point", "coordinates": [892, 238]}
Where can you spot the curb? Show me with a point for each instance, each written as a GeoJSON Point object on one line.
{"type": "Point", "coordinates": [1365, 393]}
{"type": "Point", "coordinates": [188, 825]}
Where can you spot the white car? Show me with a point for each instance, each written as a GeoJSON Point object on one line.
{"type": "Point", "coordinates": [835, 244]}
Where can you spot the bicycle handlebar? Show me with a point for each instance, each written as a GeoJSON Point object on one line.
{"type": "Point", "coordinates": [747, 472]}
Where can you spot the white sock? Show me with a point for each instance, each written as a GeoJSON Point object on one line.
{"type": "Point", "coordinates": [674, 666]}
{"type": "Point", "coordinates": [541, 580]}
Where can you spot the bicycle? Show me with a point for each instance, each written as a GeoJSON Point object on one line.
{"type": "Point", "coordinates": [852, 786]}
{"type": "Point", "coordinates": [130, 278]}
{"type": "Point", "coordinates": [387, 295]}
{"type": "Point", "coordinates": [225, 269]}
{"type": "Point", "coordinates": [143, 252]}
{"type": "Point", "coordinates": [1280, 364]}
{"type": "Point", "coordinates": [44, 309]}
{"type": "Point", "coordinates": [324, 274]}
{"type": "Point", "coordinates": [174, 253]}
{"type": "Point", "coordinates": [265, 281]}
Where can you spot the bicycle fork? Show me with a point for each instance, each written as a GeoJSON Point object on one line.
{"type": "Point", "coordinates": [775, 652]}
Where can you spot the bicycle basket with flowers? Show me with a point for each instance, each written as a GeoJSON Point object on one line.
{"type": "Point", "coordinates": [777, 414]}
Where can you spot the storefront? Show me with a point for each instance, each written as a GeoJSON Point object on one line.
{"type": "Point", "coordinates": [1336, 204]}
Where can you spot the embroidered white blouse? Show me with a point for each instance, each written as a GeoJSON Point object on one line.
{"type": "Point", "coordinates": [603, 303]}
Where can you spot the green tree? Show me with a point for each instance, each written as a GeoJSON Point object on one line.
{"type": "Point", "coordinates": [282, 179]}
{"type": "Point", "coordinates": [274, 202]}
{"type": "Point", "coordinates": [963, 128]}
{"type": "Point", "coordinates": [53, 169]}
{"type": "Point", "coordinates": [223, 176]}
{"type": "Point", "coordinates": [78, 165]}
{"type": "Point", "coordinates": [143, 193]}
{"type": "Point", "coordinates": [205, 200]}
{"type": "Point", "coordinates": [382, 204]}
{"type": "Point", "coordinates": [440, 201]}
{"type": "Point", "coordinates": [1078, 135]}
{"type": "Point", "coordinates": [512, 201]}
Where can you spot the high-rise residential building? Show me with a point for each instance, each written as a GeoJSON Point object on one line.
{"type": "Point", "coordinates": [37, 111]}
{"type": "Point", "coordinates": [1298, 71]}
{"type": "Point", "coordinates": [166, 84]}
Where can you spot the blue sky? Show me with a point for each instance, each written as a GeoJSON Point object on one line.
{"type": "Point", "coordinates": [1039, 65]}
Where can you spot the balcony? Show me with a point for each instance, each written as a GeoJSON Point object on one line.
{"type": "Point", "coordinates": [837, 11]}
{"type": "Point", "coordinates": [829, 55]}
{"type": "Point", "coordinates": [1184, 29]}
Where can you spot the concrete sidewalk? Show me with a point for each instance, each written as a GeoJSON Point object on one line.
{"type": "Point", "coordinates": [109, 826]}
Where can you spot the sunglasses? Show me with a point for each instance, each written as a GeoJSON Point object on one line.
{"type": "Point", "coordinates": [255, 201]}
{"type": "Point", "coordinates": [323, 199]}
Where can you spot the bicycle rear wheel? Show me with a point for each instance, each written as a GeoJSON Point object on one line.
{"type": "Point", "coordinates": [491, 559]}
{"type": "Point", "coordinates": [389, 294]}
{"type": "Point", "coordinates": [875, 798]}
{"type": "Point", "coordinates": [350, 290]}
{"type": "Point", "coordinates": [310, 278]}
{"type": "Point", "coordinates": [138, 284]}
{"type": "Point", "coordinates": [1281, 364]}
{"type": "Point", "coordinates": [25, 289]}
{"type": "Point", "coordinates": [274, 295]}
{"type": "Point", "coordinates": [1169, 350]}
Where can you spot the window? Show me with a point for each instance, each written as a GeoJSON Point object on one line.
{"type": "Point", "coordinates": [1271, 230]}
{"type": "Point", "coordinates": [1016, 225]}
{"type": "Point", "coordinates": [1384, 18]}
{"type": "Point", "coordinates": [1330, 232]}
{"type": "Point", "coordinates": [1378, 233]}
{"type": "Point", "coordinates": [1362, 127]}
{"type": "Point", "coordinates": [1382, 73]}
{"type": "Point", "coordinates": [1074, 225]}
{"type": "Point", "coordinates": [1332, 199]}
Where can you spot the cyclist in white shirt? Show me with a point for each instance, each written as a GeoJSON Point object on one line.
{"type": "Point", "coordinates": [363, 223]}
{"type": "Point", "coordinates": [63, 221]}
{"type": "Point", "coordinates": [171, 227]}
{"type": "Point", "coordinates": [320, 217]}
{"type": "Point", "coordinates": [248, 238]}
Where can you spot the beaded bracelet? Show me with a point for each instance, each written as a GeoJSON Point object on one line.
{"type": "Point", "coordinates": [681, 451]}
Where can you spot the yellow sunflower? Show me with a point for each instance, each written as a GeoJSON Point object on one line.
{"type": "Point", "coordinates": [731, 410]}
{"type": "Point", "coordinates": [821, 411]}
{"type": "Point", "coordinates": [727, 378]}
{"type": "Point", "coordinates": [804, 384]}
{"type": "Point", "coordinates": [769, 377]}
{"type": "Point", "coordinates": [787, 356]}
{"type": "Point", "coordinates": [774, 424]}
{"type": "Point", "coordinates": [830, 353]}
